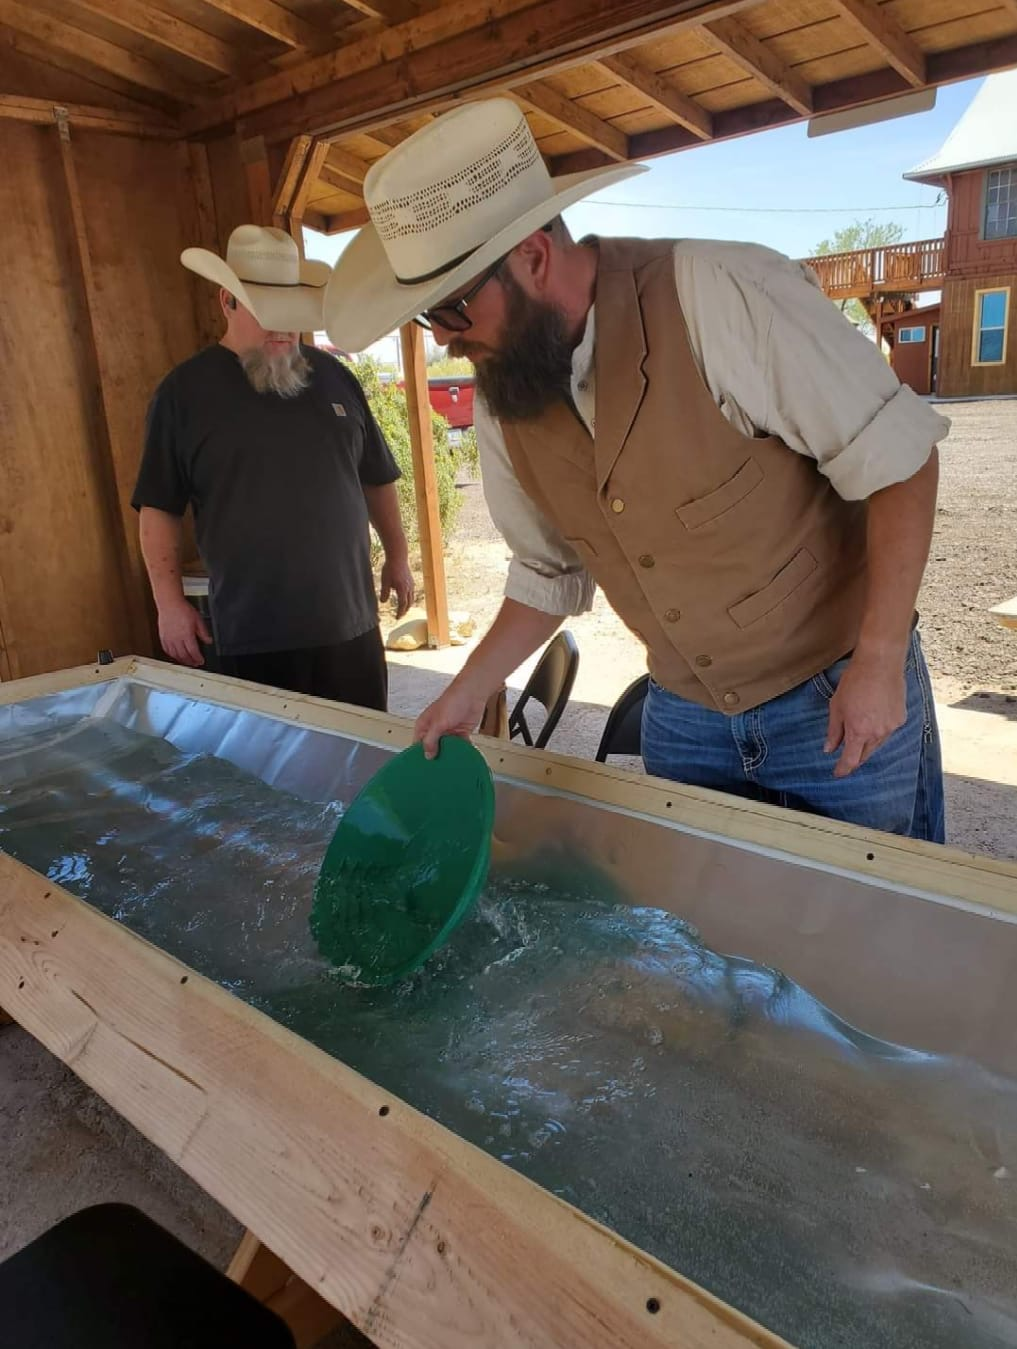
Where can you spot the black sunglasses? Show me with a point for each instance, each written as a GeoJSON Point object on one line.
{"type": "Point", "coordinates": [452, 316]}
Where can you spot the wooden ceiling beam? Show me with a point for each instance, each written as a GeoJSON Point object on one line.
{"type": "Point", "coordinates": [756, 59]}
{"type": "Point", "coordinates": [105, 56]}
{"type": "Point", "coordinates": [338, 179]}
{"type": "Point", "coordinates": [348, 220]}
{"type": "Point", "coordinates": [472, 46]}
{"type": "Point", "coordinates": [85, 118]}
{"type": "Point", "coordinates": [169, 32]}
{"type": "Point", "coordinates": [668, 100]}
{"type": "Point", "coordinates": [350, 166]}
{"type": "Point", "coordinates": [271, 19]}
{"type": "Point", "coordinates": [594, 130]}
{"type": "Point", "coordinates": [886, 36]}
{"type": "Point", "coordinates": [388, 11]}
{"type": "Point", "coordinates": [958, 63]}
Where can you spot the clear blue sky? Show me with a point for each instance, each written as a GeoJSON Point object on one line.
{"type": "Point", "coordinates": [777, 187]}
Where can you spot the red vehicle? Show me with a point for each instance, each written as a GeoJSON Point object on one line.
{"type": "Point", "coordinates": [452, 397]}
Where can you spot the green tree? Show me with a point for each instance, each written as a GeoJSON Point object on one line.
{"type": "Point", "coordinates": [388, 403]}
{"type": "Point", "coordinates": [449, 365]}
{"type": "Point", "coordinates": [861, 234]}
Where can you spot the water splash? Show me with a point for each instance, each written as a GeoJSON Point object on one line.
{"type": "Point", "coordinates": [840, 1189]}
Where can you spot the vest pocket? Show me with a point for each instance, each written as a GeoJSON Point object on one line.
{"type": "Point", "coordinates": [784, 584]}
{"type": "Point", "coordinates": [704, 509]}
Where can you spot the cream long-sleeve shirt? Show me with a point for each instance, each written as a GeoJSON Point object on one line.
{"type": "Point", "coordinates": [778, 359]}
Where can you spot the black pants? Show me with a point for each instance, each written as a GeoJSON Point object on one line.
{"type": "Point", "coordinates": [350, 672]}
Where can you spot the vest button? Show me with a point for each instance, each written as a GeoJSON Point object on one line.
{"type": "Point", "coordinates": [617, 505]}
{"type": "Point", "coordinates": [731, 699]}
{"type": "Point", "coordinates": [704, 661]}
{"type": "Point", "coordinates": [647, 560]}
{"type": "Point", "coordinates": [673, 615]}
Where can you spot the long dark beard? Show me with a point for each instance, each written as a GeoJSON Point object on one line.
{"type": "Point", "coordinates": [533, 367]}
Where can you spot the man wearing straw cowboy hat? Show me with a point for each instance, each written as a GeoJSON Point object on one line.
{"type": "Point", "coordinates": [273, 445]}
{"type": "Point", "coordinates": [693, 426]}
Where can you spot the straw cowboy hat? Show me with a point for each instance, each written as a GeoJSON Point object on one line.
{"type": "Point", "coordinates": [444, 205]}
{"type": "Point", "coordinates": [264, 270]}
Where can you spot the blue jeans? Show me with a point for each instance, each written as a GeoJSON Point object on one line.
{"type": "Point", "coordinates": [775, 753]}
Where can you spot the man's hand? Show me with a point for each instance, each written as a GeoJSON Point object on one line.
{"type": "Point", "coordinates": [397, 578]}
{"type": "Point", "coordinates": [457, 712]}
{"type": "Point", "coordinates": [869, 705]}
{"type": "Point", "coordinates": [181, 628]}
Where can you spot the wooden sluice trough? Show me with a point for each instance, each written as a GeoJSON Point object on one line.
{"type": "Point", "coordinates": [419, 1238]}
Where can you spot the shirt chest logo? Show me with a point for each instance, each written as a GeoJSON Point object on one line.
{"type": "Point", "coordinates": [338, 409]}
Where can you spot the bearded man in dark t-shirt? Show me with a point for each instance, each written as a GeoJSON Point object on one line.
{"type": "Point", "coordinates": [273, 446]}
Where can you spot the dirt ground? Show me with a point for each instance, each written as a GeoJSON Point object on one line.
{"type": "Point", "coordinates": [62, 1148]}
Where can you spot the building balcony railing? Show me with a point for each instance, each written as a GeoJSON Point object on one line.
{"type": "Point", "coordinates": [896, 269]}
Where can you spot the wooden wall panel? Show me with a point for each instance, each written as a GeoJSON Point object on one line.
{"type": "Point", "coordinates": [63, 595]}
{"type": "Point", "coordinates": [143, 313]}
{"type": "Point", "coordinates": [957, 376]}
{"type": "Point", "coordinates": [969, 254]}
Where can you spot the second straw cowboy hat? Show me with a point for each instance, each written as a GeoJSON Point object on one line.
{"type": "Point", "coordinates": [446, 203]}
{"type": "Point", "coordinates": [264, 270]}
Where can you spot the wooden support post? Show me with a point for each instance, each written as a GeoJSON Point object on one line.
{"type": "Point", "coordinates": [411, 336]}
{"type": "Point", "coordinates": [299, 174]}
{"type": "Point", "coordinates": [203, 232]}
{"type": "Point", "coordinates": [259, 179]}
{"type": "Point", "coordinates": [134, 583]}
{"type": "Point", "coordinates": [262, 1274]}
{"type": "Point", "coordinates": [879, 324]}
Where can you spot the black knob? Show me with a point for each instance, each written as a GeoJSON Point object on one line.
{"type": "Point", "coordinates": [105, 656]}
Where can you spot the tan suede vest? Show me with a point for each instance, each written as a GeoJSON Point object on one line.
{"type": "Point", "coordinates": [731, 558]}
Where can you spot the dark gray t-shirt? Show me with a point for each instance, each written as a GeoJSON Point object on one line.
{"type": "Point", "coordinates": [276, 485]}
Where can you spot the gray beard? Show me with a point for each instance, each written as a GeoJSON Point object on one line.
{"type": "Point", "coordinates": [285, 375]}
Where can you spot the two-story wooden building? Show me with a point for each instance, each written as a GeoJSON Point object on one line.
{"type": "Point", "coordinates": [965, 345]}
{"type": "Point", "coordinates": [977, 319]}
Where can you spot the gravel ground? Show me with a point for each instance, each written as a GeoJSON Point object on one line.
{"type": "Point", "coordinates": [973, 562]}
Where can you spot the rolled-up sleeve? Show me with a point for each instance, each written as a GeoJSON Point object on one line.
{"type": "Point", "coordinates": [800, 370]}
{"type": "Point", "coordinates": [544, 572]}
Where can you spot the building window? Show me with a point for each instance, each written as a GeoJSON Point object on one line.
{"type": "Point", "coordinates": [992, 308]}
{"type": "Point", "coordinates": [911, 334]}
{"type": "Point", "coordinates": [1001, 203]}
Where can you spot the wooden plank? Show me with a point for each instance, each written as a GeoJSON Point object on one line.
{"type": "Point", "coordinates": [289, 179]}
{"type": "Point", "coordinates": [388, 11]}
{"type": "Point", "coordinates": [678, 106]}
{"type": "Point", "coordinates": [61, 573]}
{"type": "Point", "coordinates": [888, 38]}
{"type": "Point", "coordinates": [888, 859]}
{"type": "Point", "coordinates": [742, 47]}
{"type": "Point", "coordinates": [262, 1274]}
{"type": "Point", "coordinates": [19, 108]}
{"type": "Point", "coordinates": [254, 156]}
{"type": "Point", "coordinates": [349, 220]}
{"type": "Point", "coordinates": [421, 65]}
{"type": "Point", "coordinates": [139, 619]}
{"type": "Point", "coordinates": [327, 174]}
{"type": "Point", "coordinates": [312, 172]}
{"type": "Point", "coordinates": [169, 31]}
{"type": "Point", "coordinates": [962, 63]}
{"type": "Point", "coordinates": [56, 73]}
{"type": "Point", "coordinates": [418, 1238]}
{"type": "Point", "coordinates": [582, 123]}
{"type": "Point", "coordinates": [411, 337]}
{"type": "Point", "coordinates": [135, 70]}
{"type": "Point", "coordinates": [271, 19]}
{"type": "Point", "coordinates": [349, 165]}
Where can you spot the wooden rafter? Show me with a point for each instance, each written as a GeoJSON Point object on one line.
{"type": "Point", "coordinates": [170, 32]}
{"type": "Point", "coordinates": [756, 59]}
{"type": "Point", "coordinates": [104, 56]}
{"type": "Point", "coordinates": [676, 105]}
{"type": "Point", "coordinates": [961, 63]}
{"type": "Point", "coordinates": [84, 118]}
{"type": "Point", "coordinates": [388, 11]}
{"type": "Point", "coordinates": [338, 179]}
{"type": "Point", "coordinates": [886, 35]}
{"type": "Point", "coordinates": [271, 19]}
{"type": "Point", "coordinates": [588, 127]}
{"type": "Point", "coordinates": [348, 220]}
{"type": "Point", "coordinates": [425, 64]}
{"type": "Point", "coordinates": [350, 166]}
